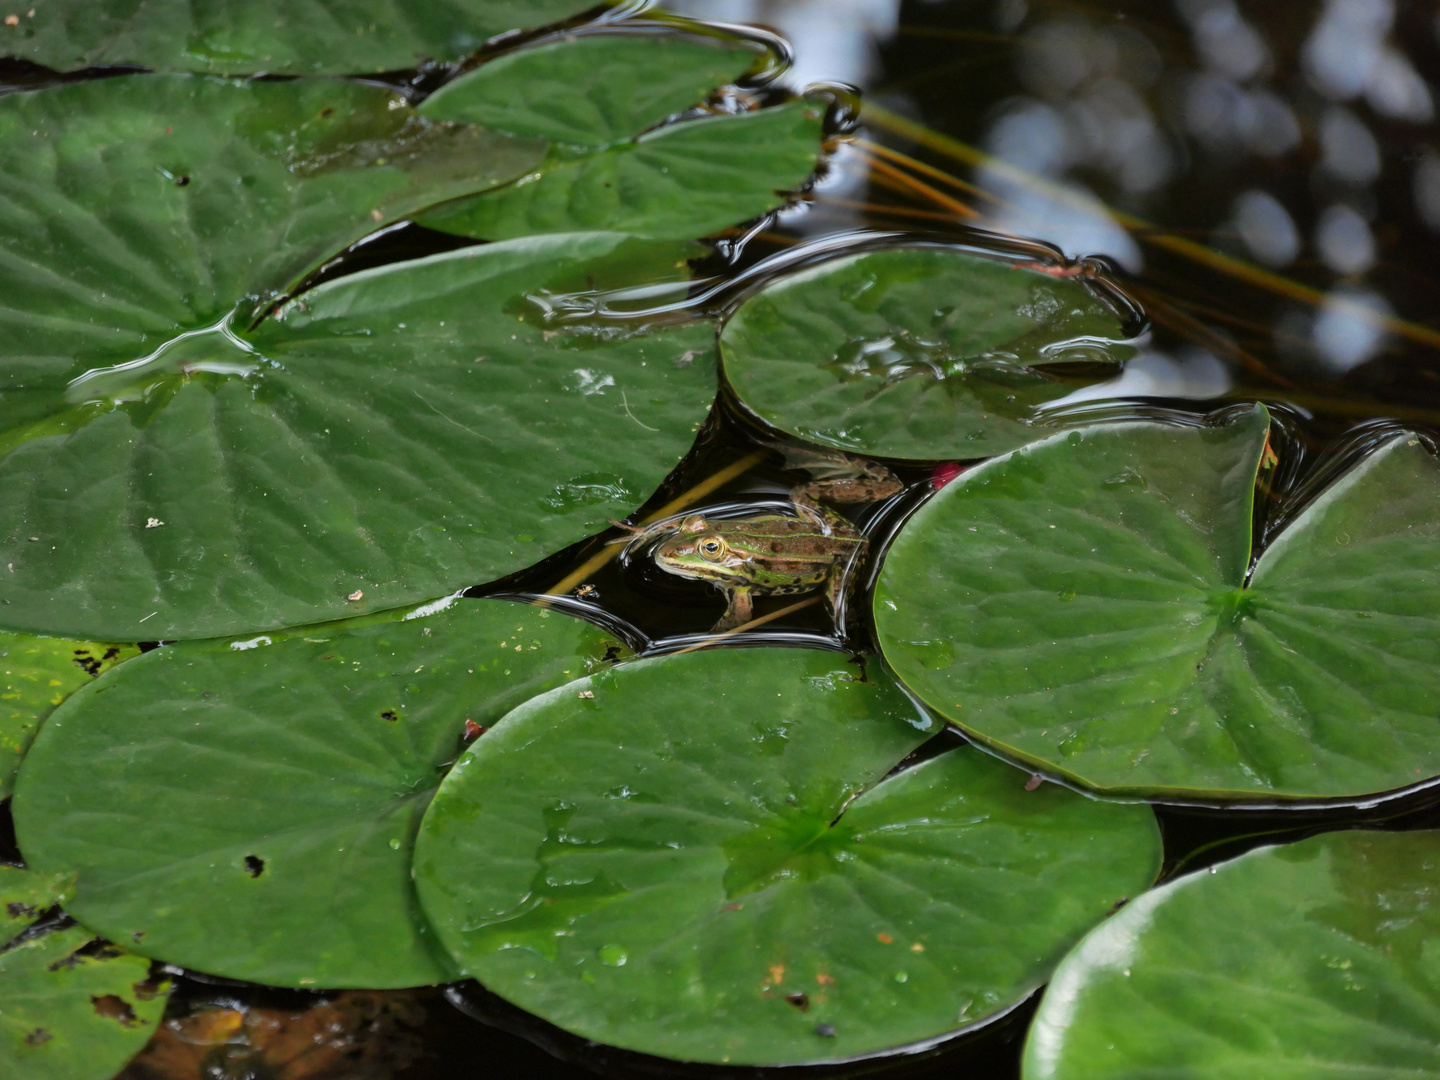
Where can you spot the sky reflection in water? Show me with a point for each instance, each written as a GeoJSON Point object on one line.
{"type": "Point", "coordinates": [1297, 136]}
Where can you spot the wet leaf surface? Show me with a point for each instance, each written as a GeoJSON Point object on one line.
{"type": "Point", "coordinates": [298, 37]}
{"type": "Point", "coordinates": [696, 857]}
{"type": "Point", "coordinates": [141, 207]}
{"type": "Point", "coordinates": [1313, 959]}
{"type": "Point", "coordinates": [916, 353]}
{"type": "Point", "coordinates": [36, 674]}
{"type": "Point", "coordinates": [389, 437]}
{"type": "Point", "coordinates": [591, 91]}
{"type": "Point", "coordinates": [247, 808]}
{"type": "Point", "coordinates": [1082, 605]}
{"type": "Point", "coordinates": [683, 180]}
{"type": "Point", "coordinates": [145, 221]}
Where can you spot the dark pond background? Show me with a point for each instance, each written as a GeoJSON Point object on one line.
{"type": "Point", "coordinates": [1266, 179]}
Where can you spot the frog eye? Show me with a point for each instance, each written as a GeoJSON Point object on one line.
{"type": "Point", "coordinates": [710, 547]}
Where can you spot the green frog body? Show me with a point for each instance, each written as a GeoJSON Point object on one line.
{"type": "Point", "coordinates": [775, 553]}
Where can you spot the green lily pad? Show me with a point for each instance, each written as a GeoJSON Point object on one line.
{"type": "Point", "coordinates": [1083, 605]}
{"type": "Point", "coordinates": [247, 808]}
{"type": "Point", "coordinates": [1314, 959]}
{"type": "Point", "coordinates": [297, 37]}
{"type": "Point", "coordinates": [699, 857]}
{"type": "Point", "coordinates": [593, 90]}
{"type": "Point", "coordinates": [139, 208]}
{"type": "Point", "coordinates": [682, 180]}
{"type": "Point", "coordinates": [386, 438]}
{"type": "Point", "coordinates": [916, 353]}
{"type": "Point", "coordinates": [24, 894]}
{"type": "Point", "coordinates": [72, 1009]}
{"type": "Point", "coordinates": [38, 674]}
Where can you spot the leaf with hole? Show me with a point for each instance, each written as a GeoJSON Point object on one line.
{"type": "Point", "coordinates": [247, 808]}
{"type": "Point", "coordinates": [25, 894]}
{"type": "Point", "coordinates": [1314, 959]}
{"type": "Point", "coordinates": [72, 1008]}
{"type": "Point", "coordinates": [295, 37]}
{"type": "Point", "coordinates": [1086, 605]}
{"type": "Point", "coordinates": [917, 353]}
{"type": "Point", "coordinates": [387, 437]}
{"type": "Point", "coordinates": [682, 180]}
{"type": "Point", "coordinates": [701, 857]}
{"type": "Point", "coordinates": [39, 673]}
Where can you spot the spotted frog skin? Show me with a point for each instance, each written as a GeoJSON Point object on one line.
{"type": "Point", "coordinates": [778, 554]}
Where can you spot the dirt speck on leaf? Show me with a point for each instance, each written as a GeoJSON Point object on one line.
{"type": "Point", "coordinates": [114, 1007]}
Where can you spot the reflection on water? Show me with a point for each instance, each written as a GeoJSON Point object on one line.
{"type": "Point", "coordinates": [1296, 137]}
{"type": "Point", "coordinates": [834, 40]}
{"type": "Point", "coordinates": [1190, 372]}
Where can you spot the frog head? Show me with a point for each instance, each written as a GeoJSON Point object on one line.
{"type": "Point", "coordinates": [705, 555]}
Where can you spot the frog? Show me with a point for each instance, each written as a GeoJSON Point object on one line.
{"type": "Point", "coordinates": [806, 549]}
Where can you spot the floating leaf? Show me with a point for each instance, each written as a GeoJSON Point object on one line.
{"type": "Point", "coordinates": [698, 857]}
{"type": "Point", "coordinates": [36, 674]}
{"type": "Point", "coordinates": [137, 216]}
{"type": "Point", "coordinates": [138, 208]}
{"type": "Point", "coordinates": [24, 894]}
{"type": "Point", "coordinates": [1083, 605]}
{"type": "Point", "coordinates": [924, 353]}
{"type": "Point", "coordinates": [71, 1009]}
{"type": "Point", "coordinates": [297, 37]}
{"type": "Point", "coordinates": [1314, 959]}
{"type": "Point", "coordinates": [593, 90]}
{"type": "Point", "coordinates": [394, 435]}
{"type": "Point", "coordinates": [247, 808]}
{"type": "Point", "coordinates": [682, 180]}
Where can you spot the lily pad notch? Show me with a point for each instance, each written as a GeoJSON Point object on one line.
{"type": "Point", "coordinates": [1086, 605]}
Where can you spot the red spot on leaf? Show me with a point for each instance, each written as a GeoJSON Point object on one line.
{"type": "Point", "coordinates": [944, 473]}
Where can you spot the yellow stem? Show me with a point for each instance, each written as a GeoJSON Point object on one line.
{"type": "Point", "coordinates": [881, 209]}
{"type": "Point", "coordinates": [680, 502]}
{"type": "Point", "coordinates": [761, 621]}
{"type": "Point", "coordinates": [895, 156]}
{"type": "Point", "coordinates": [919, 187]}
{"type": "Point", "coordinates": [1148, 233]}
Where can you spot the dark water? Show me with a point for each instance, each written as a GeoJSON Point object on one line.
{"type": "Point", "coordinates": [1295, 138]}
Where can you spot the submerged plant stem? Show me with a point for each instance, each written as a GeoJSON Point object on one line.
{"type": "Point", "coordinates": [809, 601]}
{"type": "Point", "coordinates": [1187, 326]}
{"type": "Point", "coordinates": [880, 209]}
{"type": "Point", "coordinates": [895, 157]}
{"type": "Point", "coordinates": [905, 182]}
{"type": "Point", "coordinates": [680, 502]}
{"type": "Point", "coordinates": [1148, 233]}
